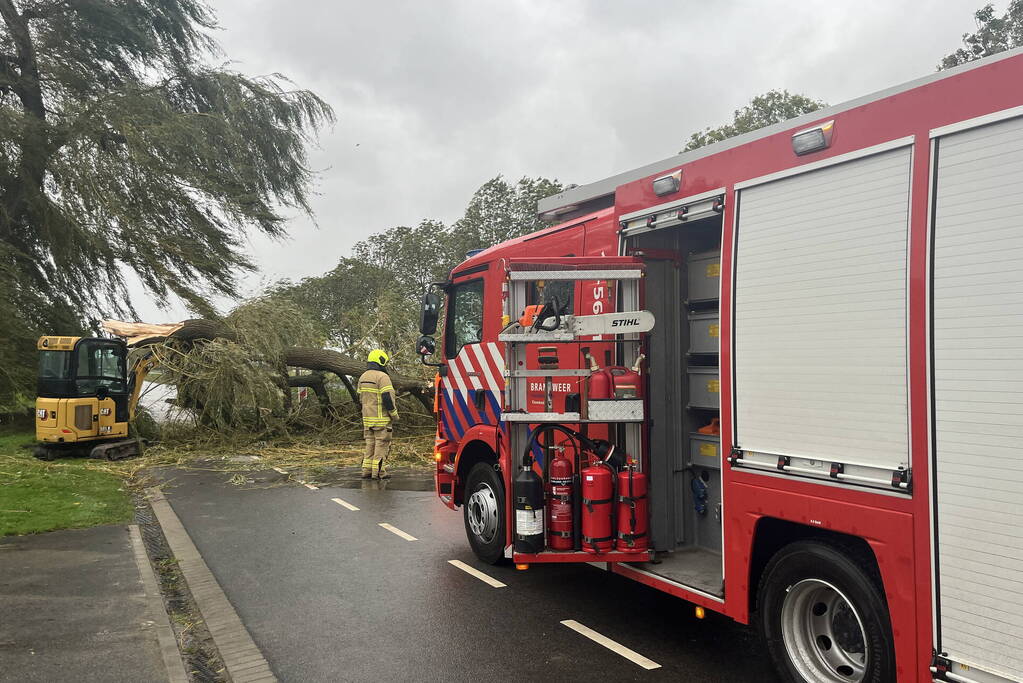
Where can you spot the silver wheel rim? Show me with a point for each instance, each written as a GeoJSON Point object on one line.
{"type": "Point", "coordinates": [823, 633]}
{"type": "Point", "coordinates": [483, 513]}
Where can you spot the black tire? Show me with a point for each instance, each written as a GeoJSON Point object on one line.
{"type": "Point", "coordinates": [485, 482]}
{"type": "Point", "coordinates": [797, 588]}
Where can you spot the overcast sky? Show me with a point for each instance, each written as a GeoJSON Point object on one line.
{"type": "Point", "coordinates": [433, 98]}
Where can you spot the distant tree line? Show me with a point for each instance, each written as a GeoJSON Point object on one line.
{"type": "Point", "coordinates": [371, 298]}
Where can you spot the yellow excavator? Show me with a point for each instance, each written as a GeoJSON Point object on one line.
{"type": "Point", "coordinates": [87, 397]}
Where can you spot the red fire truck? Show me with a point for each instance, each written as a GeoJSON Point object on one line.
{"type": "Point", "coordinates": [817, 401]}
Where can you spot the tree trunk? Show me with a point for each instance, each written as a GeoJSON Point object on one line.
{"type": "Point", "coordinates": [201, 328]}
{"type": "Point", "coordinates": [316, 383]}
{"type": "Point", "coordinates": [325, 360]}
{"type": "Point", "coordinates": [33, 146]}
{"type": "Point", "coordinates": [351, 390]}
{"type": "Point", "coordinates": [196, 329]}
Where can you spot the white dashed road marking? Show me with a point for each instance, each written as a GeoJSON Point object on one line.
{"type": "Point", "coordinates": [278, 469]}
{"type": "Point", "coordinates": [344, 504]}
{"type": "Point", "coordinates": [617, 648]}
{"type": "Point", "coordinates": [310, 486]}
{"type": "Point", "coordinates": [472, 571]}
{"type": "Point", "coordinates": [398, 532]}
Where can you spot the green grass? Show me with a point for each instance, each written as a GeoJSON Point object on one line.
{"type": "Point", "coordinates": [40, 496]}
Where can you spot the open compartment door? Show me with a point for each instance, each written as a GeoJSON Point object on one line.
{"type": "Point", "coordinates": [574, 384]}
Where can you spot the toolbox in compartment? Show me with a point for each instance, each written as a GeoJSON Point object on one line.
{"type": "Point", "coordinates": [704, 387]}
{"type": "Point", "coordinates": [704, 275]}
{"type": "Point", "coordinates": [705, 450]}
{"type": "Point", "coordinates": [704, 332]}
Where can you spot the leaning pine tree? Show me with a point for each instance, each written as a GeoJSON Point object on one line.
{"type": "Point", "coordinates": [125, 148]}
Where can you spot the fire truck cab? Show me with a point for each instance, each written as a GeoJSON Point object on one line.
{"type": "Point", "coordinates": [830, 394]}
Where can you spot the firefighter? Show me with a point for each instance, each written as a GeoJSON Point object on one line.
{"type": "Point", "coordinates": [379, 412]}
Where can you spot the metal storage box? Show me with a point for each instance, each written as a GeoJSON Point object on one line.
{"type": "Point", "coordinates": [704, 332]}
{"type": "Point", "coordinates": [704, 275]}
{"type": "Point", "coordinates": [705, 450]}
{"type": "Point", "coordinates": [704, 388]}
{"type": "Point", "coordinates": [615, 410]}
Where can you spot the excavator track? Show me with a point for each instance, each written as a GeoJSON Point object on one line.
{"type": "Point", "coordinates": [116, 450]}
{"type": "Point", "coordinates": [44, 453]}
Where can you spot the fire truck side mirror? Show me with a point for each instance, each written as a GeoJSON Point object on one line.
{"type": "Point", "coordinates": [429, 313]}
{"type": "Point", "coordinates": [426, 346]}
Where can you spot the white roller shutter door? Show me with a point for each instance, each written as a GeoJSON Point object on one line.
{"type": "Point", "coordinates": [978, 395]}
{"type": "Point", "coordinates": [820, 315]}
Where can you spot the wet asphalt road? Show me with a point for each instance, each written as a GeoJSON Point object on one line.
{"type": "Point", "coordinates": [329, 595]}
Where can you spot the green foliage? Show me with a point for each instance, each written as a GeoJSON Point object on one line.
{"type": "Point", "coordinates": [994, 34]}
{"type": "Point", "coordinates": [38, 496]}
{"type": "Point", "coordinates": [371, 299]}
{"type": "Point", "coordinates": [25, 311]}
{"type": "Point", "coordinates": [499, 211]}
{"type": "Point", "coordinates": [239, 384]}
{"type": "Point", "coordinates": [763, 110]}
{"type": "Point", "coordinates": [125, 149]}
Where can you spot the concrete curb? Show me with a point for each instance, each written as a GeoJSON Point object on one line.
{"type": "Point", "coordinates": [154, 601]}
{"type": "Point", "coordinates": [242, 658]}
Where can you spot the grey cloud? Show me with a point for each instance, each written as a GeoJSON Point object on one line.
{"type": "Point", "coordinates": [433, 98]}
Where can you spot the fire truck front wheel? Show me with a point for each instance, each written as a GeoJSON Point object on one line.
{"type": "Point", "coordinates": [823, 616]}
{"type": "Point", "coordinates": [483, 511]}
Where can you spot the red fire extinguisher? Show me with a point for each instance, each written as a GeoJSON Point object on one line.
{"type": "Point", "coordinates": [597, 498]}
{"type": "Point", "coordinates": [632, 510]}
{"type": "Point", "coordinates": [559, 504]}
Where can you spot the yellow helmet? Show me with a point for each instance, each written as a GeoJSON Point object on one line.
{"type": "Point", "coordinates": [378, 356]}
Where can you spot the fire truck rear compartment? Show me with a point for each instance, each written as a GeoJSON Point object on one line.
{"type": "Point", "coordinates": [682, 285]}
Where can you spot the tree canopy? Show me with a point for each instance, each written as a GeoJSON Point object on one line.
{"type": "Point", "coordinates": [994, 34]}
{"type": "Point", "coordinates": [124, 148]}
{"type": "Point", "coordinates": [773, 106]}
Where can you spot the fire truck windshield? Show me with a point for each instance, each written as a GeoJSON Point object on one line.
{"type": "Point", "coordinates": [465, 317]}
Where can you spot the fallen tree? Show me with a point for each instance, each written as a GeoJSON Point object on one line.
{"type": "Point", "coordinates": [325, 360]}
{"type": "Point", "coordinates": [188, 334]}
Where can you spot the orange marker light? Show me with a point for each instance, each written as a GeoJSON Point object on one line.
{"type": "Point", "coordinates": [522, 567]}
{"type": "Point", "coordinates": [700, 613]}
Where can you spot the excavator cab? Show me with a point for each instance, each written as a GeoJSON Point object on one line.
{"type": "Point", "coordinates": [85, 398]}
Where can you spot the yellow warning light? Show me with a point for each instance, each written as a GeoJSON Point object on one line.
{"type": "Point", "coordinates": [522, 567]}
{"type": "Point", "coordinates": [700, 612]}
{"type": "Point", "coordinates": [437, 456]}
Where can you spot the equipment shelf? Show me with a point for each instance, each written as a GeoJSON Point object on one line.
{"type": "Point", "coordinates": [552, 372]}
{"type": "Point", "coordinates": [623, 327]}
{"type": "Point", "coordinates": [580, 556]}
{"type": "Point", "coordinates": [559, 418]}
{"type": "Point", "coordinates": [536, 337]}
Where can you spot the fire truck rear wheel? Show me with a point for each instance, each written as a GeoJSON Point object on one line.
{"type": "Point", "coordinates": [823, 616]}
{"type": "Point", "coordinates": [483, 511]}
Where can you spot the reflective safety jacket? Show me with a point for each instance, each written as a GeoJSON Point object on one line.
{"type": "Point", "coordinates": [378, 403]}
